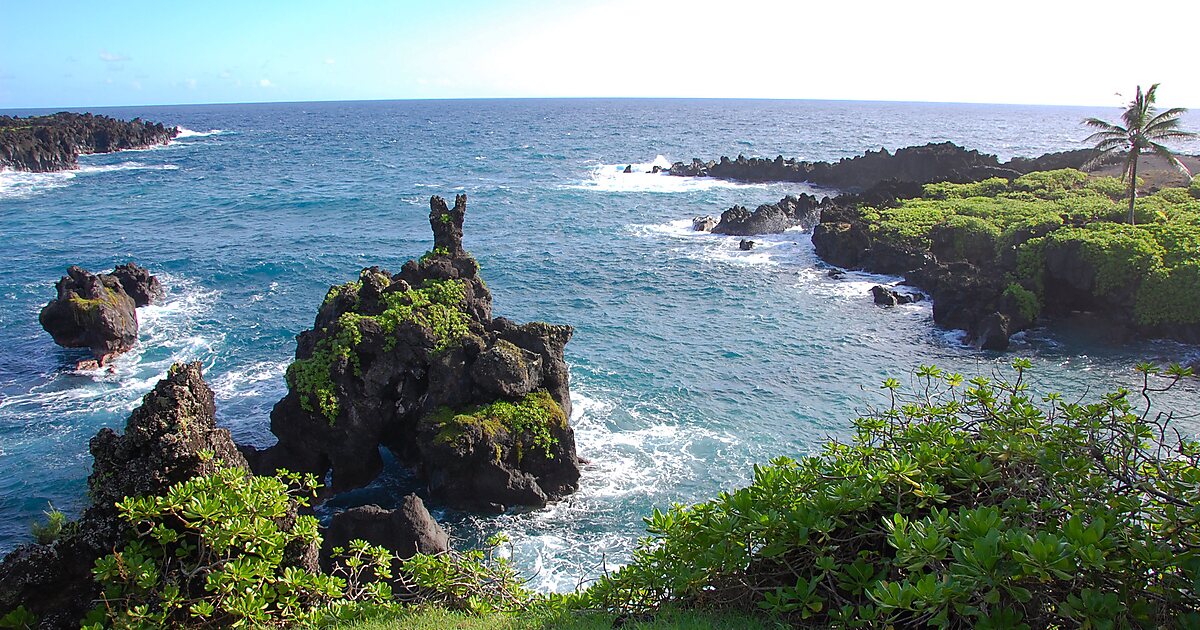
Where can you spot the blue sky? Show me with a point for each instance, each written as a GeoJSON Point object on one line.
{"type": "Point", "coordinates": [81, 54]}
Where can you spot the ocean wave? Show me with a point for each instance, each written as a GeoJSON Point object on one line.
{"type": "Point", "coordinates": [167, 333]}
{"type": "Point", "coordinates": [20, 184]}
{"type": "Point", "coordinates": [249, 381]}
{"type": "Point", "coordinates": [769, 250]}
{"type": "Point", "coordinates": [613, 178]}
{"type": "Point", "coordinates": [184, 132]}
{"type": "Point", "coordinates": [634, 455]}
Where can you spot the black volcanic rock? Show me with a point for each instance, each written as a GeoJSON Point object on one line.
{"type": "Point", "coordinates": [139, 284]}
{"type": "Point", "coordinates": [91, 311]}
{"type": "Point", "coordinates": [414, 362]}
{"type": "Point", "coordinates": [167, 439]}
{"type": "Point", "coordinates": [791, 211]}
{"type": "Point", "coordinates": [884, 296]}
{"type": "Point", "coordinates": [919, 164]}
{"type": "Point", "coordinates": [406, 531]}
{"type": "Point", "coordinates": [54, 143]}
{"type": "Point", "coordinates": [703, 224]}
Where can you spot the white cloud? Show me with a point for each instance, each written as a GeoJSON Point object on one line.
{"type": "Point", "coordinates": [191, 84]}
{"type": "Point", "coordinates": [225, 74]}
{"type": "Point", "coordinates": [330, 61]}
{"type": "Point", "coordinates": [137, 85]}
{"type": "Point", "coordinates": [109, 57]}
{"type": "Point", "coordinates": [265, 83]}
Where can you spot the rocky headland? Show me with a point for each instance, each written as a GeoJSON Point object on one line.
{"type": "Point", "coordinates": [414, 362]}
{"type": "Point", "coordinates": [934, 162]}
{"type": "Point", "coordinates": [55, 142]}
{"type": "Point", "coordinates": [98, 311]}
{"type": "Point", "coordinates": [996, 245]}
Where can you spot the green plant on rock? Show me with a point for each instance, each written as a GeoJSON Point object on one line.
{"type": "Point", "coordinates": [531, 421]}
{"type": "Point", "coordinates": [435, 306]}
{"type": "Point", "coordinates": [48, 531]}
{"type": "Point", "coordinates": [1026, 300]}
{"type": "Point", "coordinates": [958, 504]}
{"type": "Point", "coordinates": [221, 550]}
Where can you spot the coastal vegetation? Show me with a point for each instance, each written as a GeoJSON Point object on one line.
{"type": "Point", "coordinates": [1064, 227]}
{"type": "Point", "coordinates": [1143, 131]}
{"type": "Point", "coordinates": [955, 503]}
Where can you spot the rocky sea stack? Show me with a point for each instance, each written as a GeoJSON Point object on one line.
{"type": "Point", "coordinates": [414, 362]}
{"type": "Point", "coordinates": [55, 142]}
{"type": "Point", "coordinates": [98, 311]}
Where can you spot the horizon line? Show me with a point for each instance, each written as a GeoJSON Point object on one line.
{"type": "Point", "coordinates": [544, 98]}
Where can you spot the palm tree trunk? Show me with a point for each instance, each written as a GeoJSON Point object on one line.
{"type": "Point", "coordinates": [1132, 183]}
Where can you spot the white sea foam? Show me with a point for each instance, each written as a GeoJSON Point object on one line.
{"type": "Point", "coordinates": [167, 333]}
{"type": "Point", "coordinates": [248, 381]}
{"type": "Point", "coordinates": [631, 454]}
{"type": "Point", "coordinates": [613, 178]}
{"type": "Point", "coordinates": [19, 184]}
{"type": "Point", "coordinates": [769, 249]}
{"type": "Point", "coordinates": [184, 132]}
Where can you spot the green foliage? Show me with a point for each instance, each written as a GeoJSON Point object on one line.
{"type": "Point", "coordinates": [221, 550]}
{"type": "Point", "coordinates": [1194, 188]}
{"type": "Point", "coordinates": [530, 420]}
{"type": "Point", "coordinates": [49, 531]}
{"type": "Point", "coordinates": [958, 504]}
{"type": "Point", "coordinates": [973, 238]}
{"type": "Point", "coordinates": [1027, 301]}
{"type": "Point", "coordinates": [19, 619]}
{"type": "Point", "coordinates": [1063, 210]}
{"type": "Point", "coordinates": [436, 251]}
{"type": "Point", "coordinates": [435, 306]}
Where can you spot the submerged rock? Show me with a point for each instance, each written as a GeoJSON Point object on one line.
{"type": "Point", "coordinates": [414, 362]}
{"type": "Point", "coordinates": [171, 437]}
{"type": "Point", "coordinates": [884, 296]}
{"type": "Point", "coordinates": [746, 245]}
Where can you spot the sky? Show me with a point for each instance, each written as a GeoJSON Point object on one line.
{"type": "Point", "coordinates": [92, 54]}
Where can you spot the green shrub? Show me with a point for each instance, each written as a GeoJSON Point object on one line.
{"type": "Point", "coordinates": [1027, 301]}
{"type": "Point", "coordinates": [957, 504]}
{"type": "Point", "coordinates": [531, 420]}
{"type": "Point", "coordinates": [1121, 254]}
{"type": "Point", "coordinates": [217, 551]}
{"type": "Point", "coordinates": [973, 238]}
{"type": "Point", "coordinates": [1194, 188]}
{"type": "Point", "coordinates": [1111, 187]}
{"type": "Point", "coordinates": [49, 531]}
{"type": "Point", "coordinates": [1050, 184]}
{"type": "Point", "coordinates": [435, 306]}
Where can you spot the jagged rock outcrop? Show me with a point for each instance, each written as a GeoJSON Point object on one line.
{"type": "Point", "coordinates": [884, 296]}
{"type": "Point", "coordinates": [91, 311]}
{"type": "Point", "coordinates": [55, 142]}
{"type": "Point", "coordinates": [934, 162]}
{"type": "Point", "coordinates": [774, 218]}
{"type": "Point", "coordinates": [703, 224]}
{"type": "Point", "coordinates": [406, 531]}
{"type": "Point", "coordinates": [746, 245]}
{"type": "Point", "coordinates": [166, 440]}
{"type": "Point", "coordinates": [415, 362]}
{"type": "Point", "coordinates": [139, 284]}
{"type": "Point", "coordinates": [98, 311]}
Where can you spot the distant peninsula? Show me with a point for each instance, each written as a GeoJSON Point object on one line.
{"type": "Point", "coordinates": [55, 142]}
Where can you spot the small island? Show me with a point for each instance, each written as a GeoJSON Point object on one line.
{"type": "Point", "coordinates": [54, 143]}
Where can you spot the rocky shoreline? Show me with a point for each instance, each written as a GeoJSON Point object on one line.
{"type": "Point", "coordinates": [55, 142]}
{"type": "Point", "coordinates": [972, 272]}
{"type": "Point", "coordinates": [934, 162]}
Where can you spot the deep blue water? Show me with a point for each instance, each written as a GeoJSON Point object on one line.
{"type": "Point", "coordinates": [691, 360]}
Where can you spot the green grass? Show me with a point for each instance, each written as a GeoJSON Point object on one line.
{"type": "Point", "coordinates": [428, 618]}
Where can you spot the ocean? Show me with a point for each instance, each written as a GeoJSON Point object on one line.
{"type": "Point", "coordinates": [691, 361]}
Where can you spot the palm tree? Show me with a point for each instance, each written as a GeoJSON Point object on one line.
{"type": "Point", "coordinates": [1143, 131]}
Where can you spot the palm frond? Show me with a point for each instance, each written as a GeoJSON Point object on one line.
{"type": "Point", "coordinates": [1172, 159]}
{"type": "Point", "coordinates": [1172, 134]}
{"type": "Point", "coordinates": [1104, 124]}
{"type": "Point", "coordinates": [1174, 112]}
{"type": "Point", "coordinates": [1112, 144]}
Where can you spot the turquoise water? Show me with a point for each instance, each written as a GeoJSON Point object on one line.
{"type": "Point", "coordinates": [692, 360]}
